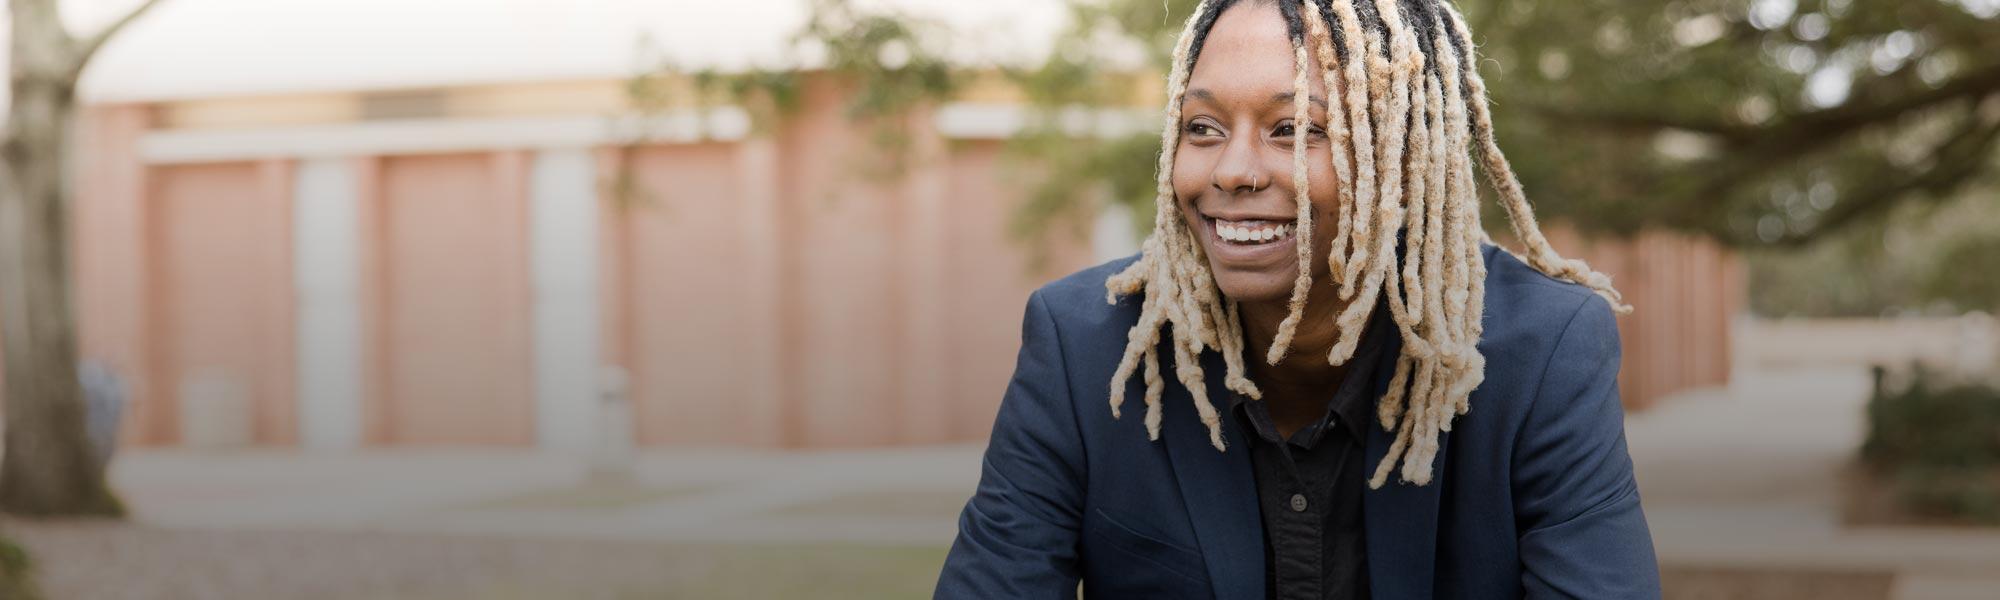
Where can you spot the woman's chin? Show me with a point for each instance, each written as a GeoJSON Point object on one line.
{"type": "Point", "coordinates": [1255, 287]}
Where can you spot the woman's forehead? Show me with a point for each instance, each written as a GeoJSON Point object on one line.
{"type": "Point", "coordinates": [1248, 57]}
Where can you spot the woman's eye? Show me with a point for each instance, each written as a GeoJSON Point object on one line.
{"type": "Point", "coordinates": [1286, 130]}
{"type": "Point", "coordinates": [1200, 129]}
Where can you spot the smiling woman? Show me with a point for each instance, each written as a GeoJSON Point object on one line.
{"type": "Point", "coordinates": [1316, 208]}
{"type": "Point", "coordinates": [1393, 152]}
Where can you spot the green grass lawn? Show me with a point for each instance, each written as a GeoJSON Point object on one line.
{"type": "Point", "coordinates": [837, 572]}
{"type": "Point", "coordinates": [741, 572]}
{"type": "Point", "coordinates": [122, 560]}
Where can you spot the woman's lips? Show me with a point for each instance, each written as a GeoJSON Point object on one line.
{"type": "Point", "coordinates": [1249, 241]}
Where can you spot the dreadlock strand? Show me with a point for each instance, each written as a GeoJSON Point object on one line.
{"type": "Point", "coordinates": [1429, 247]}
{"type": "Point", "coordinates": [1427, 143]}
{"type": "Point", "coordinates": [1422, 392]}
{"type": "Point", "coordinates": [1360, 48]}
{"type": "Point", "coordinates": [1462, 202]}
{"type": "Point", "coordinates": [1387, 53]}
{"type": "Point", "coordinates": [1321, 36]}
{"type": "Point", "coordinates": [1141, 338]}
{"type": "Point", "coordinates": [1466, 274]}
{"type": "Point", "coordinates": [1392, 400]}
{"type": "Point", "coordinates": [1367, 203]}
{"type": "Point", "coordinates": [1152, 273]}
{"type": "Point", "coordinates": [1302, 230]}
{"type": "Point", "coordinates": [1154, 388]}
{"type": "Point", "coordinates": [1200, 304]}
{"type": "Point", "coordinates": [1500, 175]}
{"type": "Point", "coordinates": [1405, 297]}
{"type": "Point", "coordinates": [1414, 343]}
{"type": "Point", "coordinates": [1461, 391]}
{"type": "Point", "coordinates": [1391, 100]}
{"type": "Point", "coordinates": [1232, 356]}
{"type": "Point", "coordinates": [1403, 429]}
{"type": "Point", "coordinates": [1187, 367]}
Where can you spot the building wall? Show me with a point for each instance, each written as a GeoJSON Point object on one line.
{"type": "Point", "coordinates": [223, 340]}
{"type": "Point", "coordinates": [480, 280]}
{"type": "Point", "coordinates": [1685, 293]}
{"type": "Point", "coordinates": [988, 290]}
{"type": "Point", "coordinates": [453, 345]}
{"type": "Point", "coordinates": [690, 279]}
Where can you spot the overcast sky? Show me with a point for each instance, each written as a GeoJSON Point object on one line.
{"type": "Point", "coordinates": [200, 48]}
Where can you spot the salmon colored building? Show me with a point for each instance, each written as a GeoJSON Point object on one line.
{"type": "Point", "coordinates": [445, 264]}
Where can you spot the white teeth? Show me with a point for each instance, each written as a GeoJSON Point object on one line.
{"type": "Point", "coordinates": [1258, 234]}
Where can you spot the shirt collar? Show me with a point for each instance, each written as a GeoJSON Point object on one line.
{"type": "Point", "coordinates": [1352, 402]}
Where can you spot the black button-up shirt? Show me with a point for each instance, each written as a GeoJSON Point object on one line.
{"type": "Point", "coordinates": [1309, 486]}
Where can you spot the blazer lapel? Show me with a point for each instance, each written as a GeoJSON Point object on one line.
{"type": "Point", "coordinates": [1401, 519]}
{"type": "Point", "coordinates": [1219, 487]}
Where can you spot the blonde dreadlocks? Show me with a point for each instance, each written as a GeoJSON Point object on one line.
{"type": "Point", "coordinates": [1415, 109]}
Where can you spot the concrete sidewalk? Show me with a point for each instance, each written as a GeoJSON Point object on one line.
{"type": "Point", "coordinates": [1739, 478]}
{"type": "Point", "coordinates": [1750, 476]}
{"type": "Point", "coordinates": [899, 496]}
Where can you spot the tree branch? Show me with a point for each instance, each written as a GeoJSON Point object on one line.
{"type": "Point", "coordinates": [1804, 130]}
{"type": "Point", "coordinates": [1646, 121]}
{"type": "Point", "coordinates": [1954, 162]}
{"type": "Point", "coordinates": [88, 47]}
{"type": "Point", "coordinates": [1851, 116]}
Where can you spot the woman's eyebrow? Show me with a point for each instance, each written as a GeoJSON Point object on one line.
{"type": "Point", "coordinates": [1204, 95]}
{"type": "Point", "coordinates": [1286, 98]}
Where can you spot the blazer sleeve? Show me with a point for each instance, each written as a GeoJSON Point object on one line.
{"type": "Point", "coordinates": [1017, 537]}
{"type": "Point", "coordinates": [1583, 534]}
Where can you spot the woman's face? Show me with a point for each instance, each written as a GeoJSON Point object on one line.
{"type": "Point", "coordinates": [1232, 172]}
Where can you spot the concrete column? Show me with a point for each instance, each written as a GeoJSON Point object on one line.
{"type": "Point", "coordinates": [1111, 234]}
{"type": "Point", "coordinates": [325, 234]}
{"type": "Point", "coordinates": [925, 411]}
{"type": "Point", "coordinates": [757, 158]}
{"type": "Point", "coordinates": [563, 236]}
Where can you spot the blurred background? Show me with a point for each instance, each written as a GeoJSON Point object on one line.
{"type": "Point", "coordinates": [642, 299]}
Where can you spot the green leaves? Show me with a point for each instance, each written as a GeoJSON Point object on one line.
{"type": "Point", "coordinates": [1755, 122]}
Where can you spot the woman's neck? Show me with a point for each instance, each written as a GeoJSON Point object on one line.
{"type": "Point", "coordinates": [1304, 365]}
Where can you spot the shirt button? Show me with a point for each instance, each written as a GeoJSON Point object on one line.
{"type": "Point", "coordinates": [1298, 502]}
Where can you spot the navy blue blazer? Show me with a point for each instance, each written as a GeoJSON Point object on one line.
{"type": "Point", "coordinates": [1532, 495]}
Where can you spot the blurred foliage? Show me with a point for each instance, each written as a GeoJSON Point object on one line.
{"type": "Point", "coordinates": [895, 64]}
{"type": "Point", "coordinates": [1920, 258]}
{"type": "Point", "coordinates": [17, 579]}
{"type": "Point", "coordinates": [1755, 122]}
{"type": "Point", "coordinates": [1091, 66]}
{"type": "Point", "coordinates": [1758, 123]}
{"type": "Point", "coordinates": [1938, 441]}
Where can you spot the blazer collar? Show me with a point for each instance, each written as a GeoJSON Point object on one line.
{"type": "Point", "coordinates": [1219, 488]}
{"type": "Point", "coordinates": [1401, 518]}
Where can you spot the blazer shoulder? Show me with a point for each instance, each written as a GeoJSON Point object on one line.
{"type": "Point", "coordinates": [1085, 283]}
{"type": "Point", "coordinates": [1522, 302]}
{"type": "Point", "coordinates": [1079, 304]}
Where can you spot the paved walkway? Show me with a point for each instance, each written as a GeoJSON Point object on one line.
{"type": "Point", "coordinates": [905, 496]}
{"type": "Point", "coordinates": [1745, 477]}
{"type": "Point", "coordinates": [1749, 476]}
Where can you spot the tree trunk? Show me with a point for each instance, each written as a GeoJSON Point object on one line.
{"type": "Point", "coordinates": [48, 468]}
